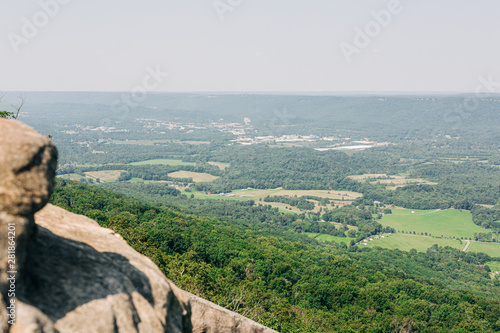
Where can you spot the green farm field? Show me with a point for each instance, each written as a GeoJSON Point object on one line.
{"type": "Point", "coordinates": [105, 175]}
{"type": "Point", "coordinates": [446, 223]}
{"type": "Point", "coordinates": [284, 207]}
{"type": "Point", "coordinates": [222, 166]}
{"type": "Point", "coordinates": [494, 265]}
{"type": "Point", "coordinates": [392, 182]}
{"type": "Point", "coordinates": [196, 176]}
{"type": "Point", "coordinates": [335, 195]}
{"type": "Point", "coordinates": [406, 242]}
{"type": "Point", "coordinates": [163, 161]}
{"type": "Point", "coordinates": [492, 249]}
{"type": "Point", "coordinates": [71, 176]}
{"type": "Point", "coordinates": [351, 227]}
{"type": "Point", "coordinates": [329, 238]}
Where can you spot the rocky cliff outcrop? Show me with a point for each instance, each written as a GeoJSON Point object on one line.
{"type": "Point", "coordinates": [27, 167]}
{"type": "Point", "coordinates": [65, 273]}
{"type": "Point", "coordinates": [210, 318]}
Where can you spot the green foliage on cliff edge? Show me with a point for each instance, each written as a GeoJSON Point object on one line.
{"type": "Point", "coordinates": [6, 114]}
{"type": "Point", "coordinates": [293, 284]}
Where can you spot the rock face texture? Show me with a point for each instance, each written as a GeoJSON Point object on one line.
{"type": "Point", "coordinates": [27, 168]}
{"type": "Point", "coordinates": [208, 317]}
{"type": "Point", "coordinates": [95, 282]}
{"type": "Point", "coordinates": [65, 273]}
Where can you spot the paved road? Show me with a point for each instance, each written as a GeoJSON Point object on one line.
{"type": "Point", "coordinates": [466, 246]}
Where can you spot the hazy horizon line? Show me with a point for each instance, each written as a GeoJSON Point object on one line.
{"type": "Point", "coordinates": [284, 92]}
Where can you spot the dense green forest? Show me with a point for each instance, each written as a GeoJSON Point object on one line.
{"type": "Point", "coordinates": [303, 168]}
{"type": "Point", "coordinates": [292, 283]}
{"type": "Point", "coordinates": [250, 213]}
{"type": "Point", "coordinates": [463, 185]}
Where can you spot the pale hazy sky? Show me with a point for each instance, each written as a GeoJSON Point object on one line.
{"type": "Point", "coordinates": [261, 45]}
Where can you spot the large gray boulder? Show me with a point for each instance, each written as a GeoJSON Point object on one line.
{"type": "Point", "coordinates": [208, 317]}
{"type": "Point", "coordinates": [85, 278]}
{"type": "Point", "coordinates": [71, 275]}
{"type": "Point", "coordinates": [27, 168]}
{"type": "Point", "coordinates": [68, 274]}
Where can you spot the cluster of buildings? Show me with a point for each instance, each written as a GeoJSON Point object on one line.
{"type": "Point", "coordinates": [372, 238]}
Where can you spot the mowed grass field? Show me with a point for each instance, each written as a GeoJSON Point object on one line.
{"type": "Point", "coordinates": [71, 176]}
{"type": "Point", "coordinates": [162, 161]}
{"type": "Point", "coordinates": [222, 166]}
{"type": "Point", "coordinates": [446, 223]}
{"type": "Point", "coordinates": [329, 238]}
{"type": "Point", "coordinates": [406, 242]}
{"type": "Point", "coordinates": [351, 227]}
{"type": "Point", "coordinates": [492, 249]}
{"type": "Point", "coordinates": [196, 176]}
{"type": "Point", "coordinates": [105, 175]}
{"type": "Point", "coordinates": [284, 207]}
{"type": "Point", "coordinates": [494, 265]}
{"type": "Point", "coordinates": [391, 182]}
{"type": "Point", "coordinates": [335, 195]}
{"type": "Point", "coordinates": [368, 176]}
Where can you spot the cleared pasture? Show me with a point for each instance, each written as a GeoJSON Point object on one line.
{"type": "Point", "coordinates": [335, 195]}
{"type": "Point", "coordinates": [392, 182]}
{"type": "Point", "coordinates": [221, 166]}
{"type": "Point", "coordinates": [71, 176]}
{"type": "Point", "coordinates": [446, 223]}
{"type": "Point", "coordinates": [351, 227]}
{"type": "Point", "coordinates": [400, 181]}
{"type": "Point", "coordinates": [284, 207]}
{"type": "Point", "coordinates": [105, 175]}
{"type": "Point", "coordinates": [494, 265]}
{"type": "Point", "coordinates": [163, 161]}
{"type": "Point", "coordinates": [368, 176]}
{"type": "Point", "coordinates": [407, 242]}
{"type": "Point", "coordinates": [492, 249]}
{"type": "Point", "coordinates": [196, 176]}
{"type": "Point", "coordinates": [329, 238]}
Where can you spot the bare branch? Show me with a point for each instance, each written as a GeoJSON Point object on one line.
{"type": "Point", "coordinates": [17, 108]}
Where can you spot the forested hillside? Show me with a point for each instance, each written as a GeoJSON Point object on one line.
{"type": "Point", "coordinates": [291, 282]}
